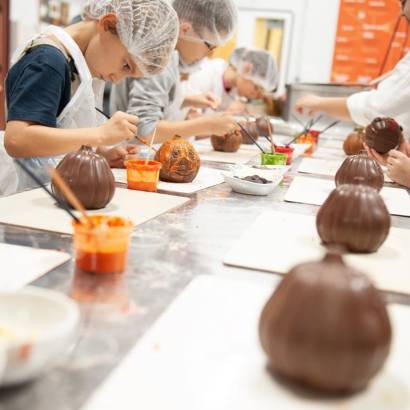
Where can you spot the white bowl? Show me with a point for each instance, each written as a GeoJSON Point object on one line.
{"type": "Point", "coordinates": [37, 328]}
{"type": "Point", "coordinates": [251, 188]}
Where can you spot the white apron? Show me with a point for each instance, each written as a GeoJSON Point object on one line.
{"type": "Point", "coordinates": [80, 112]}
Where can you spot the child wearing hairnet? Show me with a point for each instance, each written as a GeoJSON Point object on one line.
{"type": "Point", "coordinates": [157, 101]}
{"type": "Point", "coordinates": [57, 81]}
{"type": "Point", "coordinates": [250, 74]}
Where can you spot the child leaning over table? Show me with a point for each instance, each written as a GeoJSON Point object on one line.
{"type": "Point", "coordinates": [57, 81]}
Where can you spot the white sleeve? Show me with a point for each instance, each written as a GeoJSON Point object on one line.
{"type": "Point", "coordinates": [391, 98]}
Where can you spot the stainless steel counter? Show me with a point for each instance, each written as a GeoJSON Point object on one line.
{"type": "Point", "coordinates": [166, 254]}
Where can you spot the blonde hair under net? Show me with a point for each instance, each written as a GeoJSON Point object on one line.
{"type": "Point", "coordinates": [259, 66]}
{"type": "Point", "coordinates": [213, 21]}
{"type": "Point", "coordinates": [148, 29]}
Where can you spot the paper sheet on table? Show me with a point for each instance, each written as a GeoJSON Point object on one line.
{"type": "Point", "coordinates": [323, 152]}
{"type": "Point", "coordinates": [297, 241]}
{"type": "Point", "coordinates": [326, 167]}
{"type": "Point", "coordinates": [21, 265]}
{"type": "Point", "coordinates": [204, 354]}
{"type": "Point", "coordinates": [206, 178]}
{"type": "Point", "coordinates": [315, 191]}
{"type": "Point", "coordinates": [35, 209]}
{"type": "Point", "coordinates": [207, 153]}
{"type": "Point", "coordinates": [330, 143]}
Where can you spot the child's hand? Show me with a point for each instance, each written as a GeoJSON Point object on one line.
{"type": "Point", "coordinates": [404, 147]}
{"type": "Point", "coordinates": [121, 127]}
{"type": "Point", "coordinates": [207, 100]}
{"type": "Point", "coordinates": [238, 108]}
{"type": "Point", "coordinates": [398, 168]}
{"type": "Point", "coordinates": [221, 124]}
{"type": "Point", "coordinates": [381, 159]}
{"type": "Point", "coordinates": [117, 155]}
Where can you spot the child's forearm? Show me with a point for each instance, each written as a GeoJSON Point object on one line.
{"type": "Point", "coordinates": [23, 140]}
{"type": "Point", "coordinates": [188, 128]}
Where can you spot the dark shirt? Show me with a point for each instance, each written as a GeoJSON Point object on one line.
{"type": "Point", "coordinates": [38, 86]}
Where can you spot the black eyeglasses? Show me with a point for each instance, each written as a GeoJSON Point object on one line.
{"type": "Point", "coordinates": [210, 46]}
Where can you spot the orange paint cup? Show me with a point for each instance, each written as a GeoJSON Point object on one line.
{"type": "Point", "coordinates": [102, 246]}
{"type": "Point", "coordinates": [312, 138]}
{"type": "Point", "coordinates": [143, 175]}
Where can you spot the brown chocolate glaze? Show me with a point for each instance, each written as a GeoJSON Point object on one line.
{"type": "Point", "coordinates": [383, 135]}
{"type": "Point", "coordinates": [326, 327]}
{"type": "Point", "coordinates": [360, 170]}
{"type": "Point", "coordinates": [89, 176]}
{"type": "Point", "coordinates": [353, 144]}
{"type": "Point", "coordinates": [264, 127]}
{"type": "Point", "coordinates": [179, 159]}
{"type": "Point", "coordinates": [354, 217]}
{"type": "Point", "coordinates": [228, 143]}
{"type": "Point", "coordinates": [251, 128]}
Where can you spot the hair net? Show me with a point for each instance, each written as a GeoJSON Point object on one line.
{"type": "Point", "coordinates": [213, 21]}
{"type": "Point", "coordinates": [148, 28]}
{"type": "Point", "coordinates": [258, 66]}
{"type": "Point", "coordinates": [235, 57]}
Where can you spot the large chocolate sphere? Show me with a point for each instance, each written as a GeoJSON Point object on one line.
{"type": "Point", "coordinates": [354, 217]}
{"type": "Point", "coordinates": [179, 159]}
{"type": "Point", "coordinates": [326, 327]}
{"type": "Point", "coordinates": [383, 135]}
{"type": "Point", "coordinates": [227, 143]}
{"type": "Point", "coordinates": [360, 170]}
{"type": "Point", "coordinates": [353, 144]}
{"type": "Point", "coordinates": [89, 176]}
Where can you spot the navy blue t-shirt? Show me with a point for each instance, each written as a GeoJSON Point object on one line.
{"type": "Point", "coordinates": [38, 86]}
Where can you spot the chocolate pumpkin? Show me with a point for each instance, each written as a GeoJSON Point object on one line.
{"type": "Point", "coordinates": [89, 176]}
{"type": "Point", "coordinates": [360, 170]}
{"type": "Point", "coordinates": [354, 217]}
{"type": "Point", "coordinates": [228, 143]}
{"type": "Point", "coordinates": [383, 135]}
{"type": "Point", "coordinates": [252, 130]}
{"type": "Point", "coordinates": [264, 127]}
{"type": "Point", "coordinates": [179, 159]}
{"type": "Point", "coordinates": [353, 144]}
{"type": "Point", "coordinates": [326, 327]}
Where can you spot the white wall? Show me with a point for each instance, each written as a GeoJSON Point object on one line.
{"type": "Point", "coordinates": [24, 16]}
{"type": "Point", "coordinates": [312, 38]}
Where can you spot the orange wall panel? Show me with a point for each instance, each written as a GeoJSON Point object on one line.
{"type": "Point", "coordinates": [364, 33]}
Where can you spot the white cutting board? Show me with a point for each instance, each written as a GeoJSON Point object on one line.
{"type": "Point", "coordinates": [323, 152]}
{"type": "Point", "coordinates": [206, 178]}
{"type": "Point", "coordinates": [315, 191]}
{"type": "Point", "coordinates": [35, 209]}
{"type": "Point", "coordinates": [207, 153]}
{"type": "Point", "coordinates": [277, 241]}
{"type": "Point", "coordinates": [330, 143]}
{"type": "Point", "coordinates": [326, 167]}
{"type": "Point", "coordinates": [21, 265]}
{"type": "Point", "coordinates": [204, 354]}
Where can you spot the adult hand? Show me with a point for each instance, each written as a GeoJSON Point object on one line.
{"type": "Point", "coordinates": [309, 104]}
